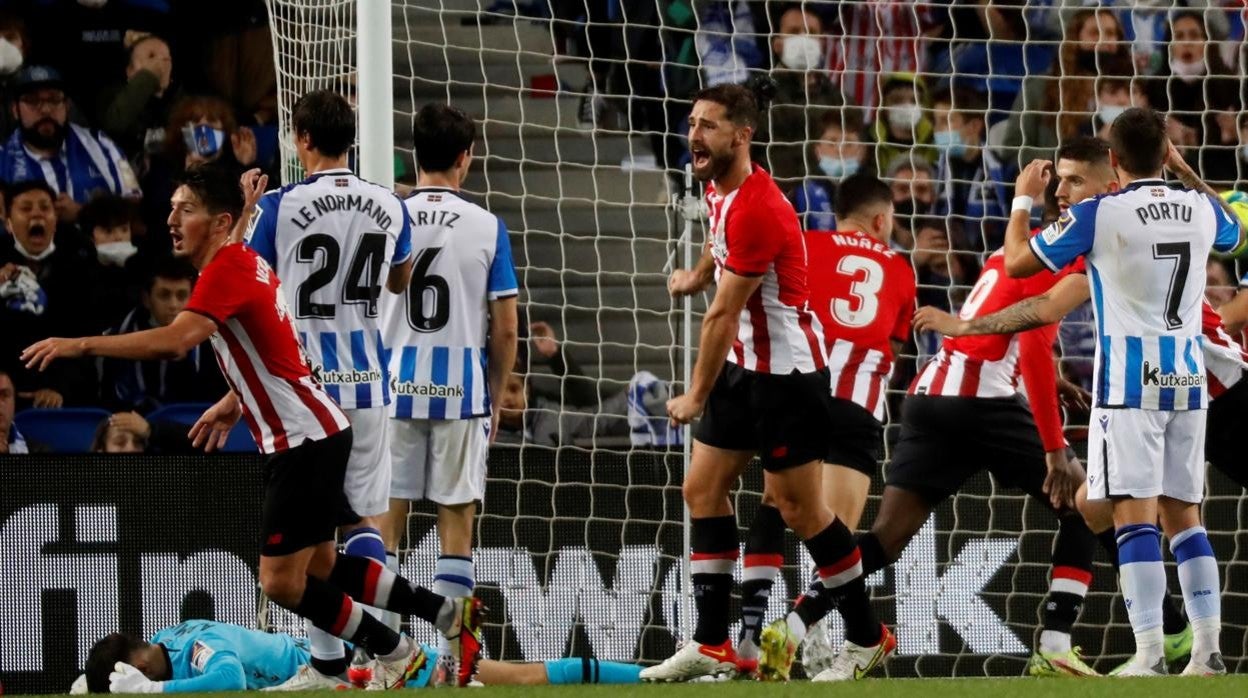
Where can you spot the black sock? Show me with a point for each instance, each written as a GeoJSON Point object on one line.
{"type": "Point", "coordinates": [714, 541]}
{"type": "Point", "coordinates": [369, 582]}
{"type": "Point", "coordinates": [815, 603]}
{"type": "Point", "coordinates": [331, 667]}
{"type": "Point", "coordinates": [764, 555]}
{"type": "Point", "coordinates": [1073, 549]}
{"type": "Point", "coordinates": [840, 568]}
{"type": "Point", "coordinates": [334, 612]}
{"type": "Point", "coordinates": [873, 556]}
{"type": "Point", "coordinates": [1109, 541]}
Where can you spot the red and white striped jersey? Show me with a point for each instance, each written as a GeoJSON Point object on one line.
{"type": "Point", "coordinates": [863, 294]}
{"type": "Point", "coordinates": [877, 37]}
{"type": "Point", "coordinates": [259, 354]}
{"type": "Point", "coordinates": [754, 232]}
{"type": "Point", "coordinates": [1225, 359]}
{"type": "Point", "coordinates": [985, 365]}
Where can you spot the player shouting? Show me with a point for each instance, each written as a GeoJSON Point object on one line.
{"type": "Point", "coordinates": [761, 388]}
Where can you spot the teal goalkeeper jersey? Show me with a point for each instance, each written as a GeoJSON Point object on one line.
{"type": "Point", "coordinates": [210, 656]}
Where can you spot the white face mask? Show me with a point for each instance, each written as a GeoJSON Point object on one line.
{"type": "Point", "coordinates": [801, 52]}
{"type": "Point", "coordinates": [115, 253]}
{"type": "Point", "coordinates": [904, 115]}
{"type": "Point", "coordinates": [1187, 70]}
{"type": "Point", "coordinates": [1110, 112]}
{"type": "Point", "coordinates": [10, 57]}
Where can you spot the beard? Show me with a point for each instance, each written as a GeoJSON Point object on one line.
{"type": "Point", "coordinates": [716, 167]}
{"type": "Point", "coordinates": [46, 134]}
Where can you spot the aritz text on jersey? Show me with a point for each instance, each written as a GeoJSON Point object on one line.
{"type": "Point", "coordinates": [1152, 375]}
{"type": "Point", "coordinates": [1164, 211]}
{"type": "Point", "coordinates": [342, 202]}
{"type": "Point", "coordinates": [407, 388]}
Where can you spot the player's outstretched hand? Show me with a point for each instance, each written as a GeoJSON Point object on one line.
{"type": "Point", "coordinates": [929, 319]}
{"type": "Point", "coordinates": [683, 409]}
{"type": "Point", "coordinates": [684, 282]}
{"type": "Point", "coordinates": [212, 429]}
{"type": "Point", "coordinates": [1073, 396]}
{"type": "Point", "coordinates": [1063, 479]}
{"type": "Point", "coordinates": [253, 185]}
{"type": "Point", "coordinates": [1034, 179]}
{"type": "Point", "coordinates": [128, 679]}
{"type": "Point", "coordinates": [41, 354]}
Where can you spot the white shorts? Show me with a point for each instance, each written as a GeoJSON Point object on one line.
{"type": "Point", "coordinates": [367, 484]}
{"type": "Point", "coordinates": [1146, 453]}
{"type": "Point", "coordinates": [440, 460]}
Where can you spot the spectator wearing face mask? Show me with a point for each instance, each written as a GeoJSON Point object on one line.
{"type": "Point", "coordinates": [136, 112]}
{"type": "Point", "coordinates": [14, 45]}
{"type": "Point", "coordinates": [900, 125]}
{"type": "Point", "coordinates": [201, 129]}
{"type": "Point", "coordinates": [1201, 95]}
{"type": "Point", "coordinates": [837, 150]}
{"type": "Point", "coordinates": [912, 180]}
{"type": "Point", "coordinates": [1113, 96]}
{"type": "Point", "coordinates": [77, 163]}
{"type": "Point", "coordinates": [804, 93]}
{"type": "Point", "coordinates": [146, 385]}
{"type": "Point", "coordinates": [968, 175]}
{"type": "Point", "coordinates": [106, 220]}
{"type": "Point", "coordinates": [45, 287]}
{"type": "Point", "coordinates": [1054, 108]}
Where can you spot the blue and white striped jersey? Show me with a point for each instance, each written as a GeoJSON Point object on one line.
{"type": "Point", "coordinates": [1145, 249]}
{"type": "Point", "coordinates": [436, 332]}
{"type": "Point", "coordinates": [332, 239]}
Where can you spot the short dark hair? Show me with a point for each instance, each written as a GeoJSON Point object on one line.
{"type": "Point", "coordinates": [964, 101]}
{"type": "Point", "coordinates": [848, 119]}
{"type": "Point", "coordinates": [115, 647]}
{"type": "Point", "coordinates": [104, 211]}
{"type": "Point", "coordinates": [216, 188]}
{"type": "Point", "coordinates": [743, 105]}
{"type": "Point", "coordinates": [1089, 149]}
{"type": "Point", "coordinates": [328, 120]}
{"type": "Point", "coordinates": [859, 191]}
{"type": "Point", "coordinates": [440, 134]}
{"type": "Point", "coordinates": [172, 269]}
{"type": "Point", "coordinates": [1138, 139]}
{"type": "Point", "coordinates": [12, 191]}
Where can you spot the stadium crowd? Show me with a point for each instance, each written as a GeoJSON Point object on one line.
{"type": "Point", "coordinates": [943, 101]}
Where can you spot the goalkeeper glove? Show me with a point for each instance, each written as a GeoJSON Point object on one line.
{"type": "Point", "coordinates": [127, 679]}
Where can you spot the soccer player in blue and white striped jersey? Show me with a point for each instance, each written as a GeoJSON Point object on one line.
{"type": "Point", "coordinates": [452, 344]}
{"type": "Point", "coordinates": [334, 239]}
{"type": "Point", "coordinates": [1145, 247]}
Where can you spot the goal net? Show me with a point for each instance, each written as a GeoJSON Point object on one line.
{"type": "Point", "coordinates": [581, 107]}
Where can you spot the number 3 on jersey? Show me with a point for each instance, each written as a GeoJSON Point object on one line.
{"type": "Point", "coordinates": [865, 290]}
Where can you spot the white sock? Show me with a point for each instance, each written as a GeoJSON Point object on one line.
{"type": "Point", "coordinates": [324, 645]}
{"type": "Point", "coordinates": [1149, 645]}
{"type": "Point", "coordinates": [1053, 642]}
{"type": "Point", "coordinates": [1198, 577]}
{"type": "Point", "coordinates": [453, 576]}
{"type": "Point", "coordinates": [796, 626]}
{"type": "Point", "coordinates": [1143, 581]}
{"type": "Point", "coordinates": [1206, 637]}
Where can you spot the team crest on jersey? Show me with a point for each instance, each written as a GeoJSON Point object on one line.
{"type": "Point", "coordinates": [200, 654]}
{"type": "Point", "coordinates": [1058, 228]}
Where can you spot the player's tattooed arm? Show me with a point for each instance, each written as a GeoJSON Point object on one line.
{"type": "Point", "coordinates": [1190, 179]}
{"type": "Point", "coordinates": [1026, 314]}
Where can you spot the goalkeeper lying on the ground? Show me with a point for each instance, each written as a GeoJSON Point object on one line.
{"type": "Point", "coordinates": [201, 655]}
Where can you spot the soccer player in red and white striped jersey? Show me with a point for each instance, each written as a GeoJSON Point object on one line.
{"type": "Point", "coordinates": [862, 292]}
{"type": "Point", "coordinates": [237, 303]}
{"type": "Point", "coordinates": [760, 387]}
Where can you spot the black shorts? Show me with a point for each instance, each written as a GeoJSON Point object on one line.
{"type": "Point", "coordinates": [783, 418]}
{"type": "Point", "coordinates": [947, 440]}
{"type": "Point", "coordinates": [857, 437]}
{"type": "Point", "coordinates": [1224, 449]}
{"type": "Point", "coordinates": [304, 501]}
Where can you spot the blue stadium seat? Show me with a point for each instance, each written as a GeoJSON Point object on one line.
{"type": "Point", "coordinates": [64, 430]}
{"type": "Point", "coordinates": [186, 413]}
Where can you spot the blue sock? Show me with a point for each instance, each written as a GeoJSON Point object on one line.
{"type": "Point", "coordinates": [585, 670]}
{"type": "Point", "coordinates": [366, 542]}
{"type": "Point", "coordinates": [1198, 573]}
{"type": "Point", "coordinates": [453, 576]}
{"type": "Point", "coordinates": [1143, 580]}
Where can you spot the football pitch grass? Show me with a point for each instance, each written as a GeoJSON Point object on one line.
{"type": "Point", "coordinates": [1217, 687]}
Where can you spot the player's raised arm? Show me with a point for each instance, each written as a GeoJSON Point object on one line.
{"type": "Point", "coordinates": [684, 282]}
{"type": "Point", "coordinates": [253, 183]}
{"type": "Point", "coordinates": [1229, 223]}
{"type": "Point", "coordinates": [1029, 313]}
{"type": "Point", "coordinates": [1020, 260]}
